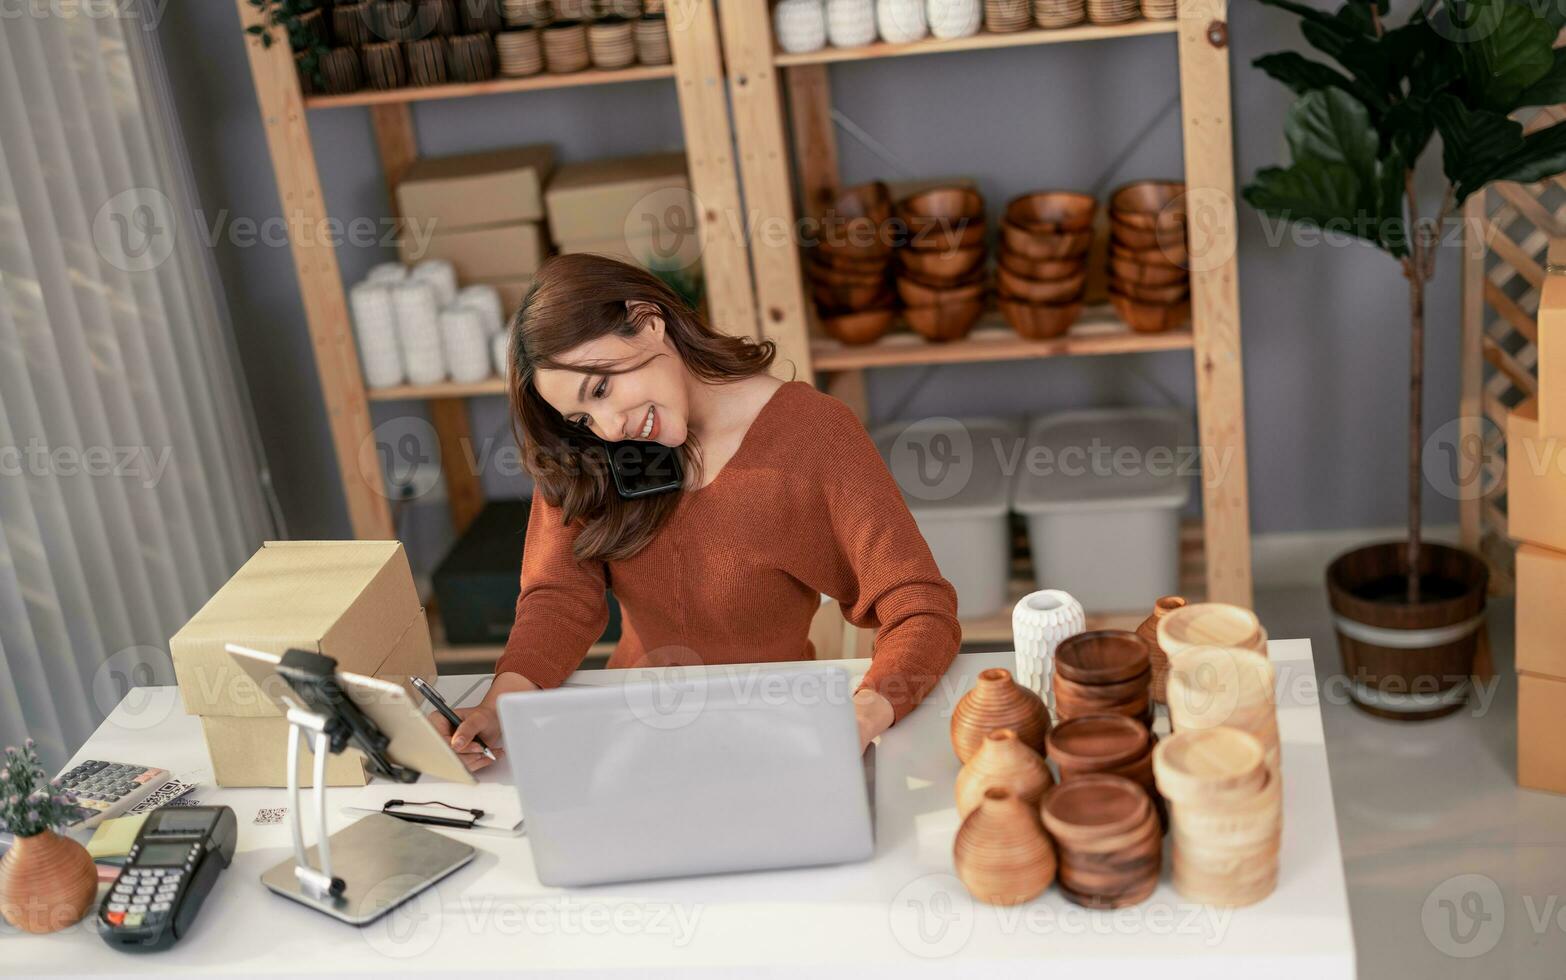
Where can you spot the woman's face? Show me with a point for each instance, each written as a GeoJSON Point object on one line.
{"type": "Point", "coordinates": [647, 403]}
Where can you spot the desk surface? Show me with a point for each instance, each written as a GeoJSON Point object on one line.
{"type": "Point", "coordinates": [901, 911]}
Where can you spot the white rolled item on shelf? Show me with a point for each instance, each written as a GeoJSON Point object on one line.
{"type": "Point", "coordinates": [901, 21]}
{"type": "Point", "coordinates": [387, 272]}
{"type": "Point", "coordinates": [500, 349]}
{"type": "Point", "coordinates": [485, 299]}
{"type": "Point", "coordinates": [375, 331]}
{"type": "Point", "coordinates": [442, 275]}
{"type": "Point", "coordinates": [850, 23]}
{"type": "Point", "coordinates": [800, 25]}
{"type": "Point", "coordinates": [418, 331]}
{"type": "Point", "coordinates": [1039, 621]}
{"type": "Point", "coordinates": [466, 343]}
{"type": "Point", "coordinates": [955, 18]}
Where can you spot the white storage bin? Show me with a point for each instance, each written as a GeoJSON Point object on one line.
{"type": "Point", "coordinates": [954, 481]}
{"type": "Point", "coordinates": [1102, 492]}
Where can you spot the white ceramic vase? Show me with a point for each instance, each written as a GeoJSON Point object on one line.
{"type": "Point", "coordinates": [850, 23]}
{"type": "Point", "coordinates": [465, 343]}
{"type": "Point", "coordinates": [800, 25]}
{"type": "Point", "coordinates": [375, 330]}
{"type": "Point", "coordinates": [1039, 621]}
{"type": "Point", "coordinates": [955, 18]}
{"type": "Point", "coordinates": [901, 21]}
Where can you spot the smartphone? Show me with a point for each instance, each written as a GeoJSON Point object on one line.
{"type": "Point", "coordinates": [639, 468]}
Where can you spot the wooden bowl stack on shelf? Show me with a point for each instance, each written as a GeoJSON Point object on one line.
{"type": "Point", "coordinates": [1045, 238]}
{"type": "Point", "coordinates": [1225, 815]}
{"type": "Point", "coordinates": [1051, 14]}
{"type": "Point", "coordinates": [941, 268]}
{"type": "Point", "coordinates": [1149, 282]}
{"type": "Point", "coordinates": [1113, 11]}
{"type": "Point", "coordinates": [850, 267]}
{"type": "Point", "coordinates": [1005, 16]}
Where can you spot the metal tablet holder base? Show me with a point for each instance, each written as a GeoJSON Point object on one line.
{"type": "Point", "coordinates": [375, 864]}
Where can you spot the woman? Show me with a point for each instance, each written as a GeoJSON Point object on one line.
{"type": "Point", "coordinates": [784, 498]}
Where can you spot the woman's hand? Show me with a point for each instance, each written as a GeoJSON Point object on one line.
{"type": "Point", "coordinates": [481, 722]}
{"type": "Point", "coordinates": [874, 714]}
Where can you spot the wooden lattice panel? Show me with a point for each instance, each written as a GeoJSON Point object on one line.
{"type": "Point", "coordinates": [1507, 232]}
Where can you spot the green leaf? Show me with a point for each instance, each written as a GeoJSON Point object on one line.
{"type": "Point", "coordinates": [1515, 51]}
{"type": "Point", "coordinates": [1473, 141]}
{"type": "Point", "coordinates": [1322, 193]}
{"type": "Point", "coordinates": [1543, 154]}
{"type": "Point", "coordinates": [1333, 126]}
{"type": "Point", "coordinates": [1301, 74]}
{"type": "Point", "coordinates": [1550, 89]}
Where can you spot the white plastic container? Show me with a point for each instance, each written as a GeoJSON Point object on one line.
{"type": "Point", "coordinates": [952, 476]}
{"type": "Point", "coordinates": [1102, 492]}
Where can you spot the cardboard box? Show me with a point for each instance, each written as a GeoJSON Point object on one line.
{"type": "Point", "coordinates": [351, 600]}
{"type": "Point", "coordinates": [254, 752]}
{"type": "Point", "coordinates": [1535, 481]}
{"type": "Point", "coordinates": [655, 252]}
{"type": "Point", "coordinates": [498, 252]}
{"type": "Point", "coordinates": [1541, 732]}
{"type": "Point", "coordinates": [1541, 611]}
{"type": "Point", "coordinates": [603, 199]}
{"type": "Point", "coordinates": [474, 189]}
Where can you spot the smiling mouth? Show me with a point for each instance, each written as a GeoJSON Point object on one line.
{"type": "Point", "coordinates": [648, 422]}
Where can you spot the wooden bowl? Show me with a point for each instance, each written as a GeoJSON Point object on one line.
{"type": "Point", "coordinates": [1103, 657]}
{"type": "Point", "coordinates": [833, 300]}
{"type": "Point", "coordinates": [1040, 245]}
{"type": "Point", "coordinates": [1164, 295]}
{"type": "Point", "coordinates": [933, 234]}
{"type": "Point", "coordinates": [1052, 212]}
{"type": "Point", "coordinates": [828, 274]}
{"type": "Point", "coordinates": [1040, 290]}
{"type": "Point", "coordinates": [943, 203]}
{"type": "Point", "coordinates": [1040, 268]}
{"type": "Point", "coordinates": [947, 267]}
{"type": "Point", "coordinates": [857, 225]}
{"type": "Point", "coordinates": [1039, 321]}
{"type": "Point", "coordinates": [838, 260]}
{"type": "Point", "coordinates": [863, 327]}
{"type": "Point", "coordinates": [916, 292]}
{"type": "Point", "coordinates": [1147, 203]}
{"type": "Point", "coordinates": [1146, 317]}
{"type": "Point", "coordinates": [1137, 238]}
{"type": "Point", "coordinates": [1126, 271]}
{"type": "Point", "coordinates": [1172, 258]}
{"type": "Point", "coordinates": [872, 200]}
{"type": "Point", "coordinates": [947, 321]}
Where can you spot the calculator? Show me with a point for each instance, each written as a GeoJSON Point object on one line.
{"type": "Point", "coordinates": [172, 866]}
{"type": "Point", "coordinates": [110, 789]}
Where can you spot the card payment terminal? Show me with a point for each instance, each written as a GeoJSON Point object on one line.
{"type": "Point", "coordinates": [170, 869]}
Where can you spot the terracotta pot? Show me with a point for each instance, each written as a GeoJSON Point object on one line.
{"type": "Point", "coordinates": [1148, 630]}
{"type": "Point", "coordinates": [997, 701]}
{"type": "Point", "coordinates": [1001, 853]}
{"type": "Point", "coordinates": [47, 882]}
{"type": "Point", "coordinates": [1002, 760]}
{"type": "Point", "coordinates": [1408, 661]}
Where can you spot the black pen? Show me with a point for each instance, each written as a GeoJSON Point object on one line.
{"type": "Point", "coordinates": [434, 698]}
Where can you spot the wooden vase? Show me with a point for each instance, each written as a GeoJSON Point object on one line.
{"type": "Point", "coordinates": [47, 882]}
{"type": "Point", "coordinates": [1148, 631]}
{"type": "Point", "coordinates": [1002, 760]}
{"type": "Point", "coordinates": [1001, 853]}
{"type": "Point", "coordinates": [997, 701]}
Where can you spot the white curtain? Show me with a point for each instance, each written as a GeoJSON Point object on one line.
{"type": "Point", "coordinates": [131, 483]}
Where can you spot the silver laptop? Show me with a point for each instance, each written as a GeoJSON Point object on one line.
{"type": "Point", "coordinates": [688, 771]}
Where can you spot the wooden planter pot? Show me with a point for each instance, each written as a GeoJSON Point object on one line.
{"type": "Point", "coordinates": [1408, 662]}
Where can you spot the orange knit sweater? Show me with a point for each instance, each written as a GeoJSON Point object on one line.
{"type": "Point", "coordinates": [804, 507]}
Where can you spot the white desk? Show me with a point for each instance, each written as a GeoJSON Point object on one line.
{"type": "Point", "coordinates": [901, 911]}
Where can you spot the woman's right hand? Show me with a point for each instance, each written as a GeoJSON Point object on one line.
{"type": "Point", "coordinates": [479, 722]}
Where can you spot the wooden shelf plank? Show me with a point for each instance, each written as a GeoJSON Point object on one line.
{"type": "Point", "coordinates": [981, 41]}
{"type": "Point", "coordinates": [435, 392]}
{"type": "Point", "coordinates": [532, 83]}
{"type": "Point", "coordinates": [1098, 332]}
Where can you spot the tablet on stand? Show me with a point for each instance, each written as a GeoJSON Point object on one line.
{"type": "Point", "coordinates": [378, 862]}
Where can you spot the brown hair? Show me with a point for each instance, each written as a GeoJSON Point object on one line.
{"type": "Point", "coordinates": [575, 299]}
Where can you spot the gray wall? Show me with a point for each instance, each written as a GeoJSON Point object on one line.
{"type": "Point", "coordinates": [1324, 327]}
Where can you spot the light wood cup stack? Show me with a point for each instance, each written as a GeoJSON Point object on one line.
{"type": "Point", "coordinates": [1229, 686]}
{"type": "Point", "coordinates": [1225, 813]}
{"type": "Point", "coordinates": [1059, 13]}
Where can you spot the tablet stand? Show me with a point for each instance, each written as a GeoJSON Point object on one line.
{"type": "Point", "coordinates": [376, 863]}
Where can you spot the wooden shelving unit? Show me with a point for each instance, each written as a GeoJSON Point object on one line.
{"type": "Point", "coordinates": [499, 86]}
{"type": "Point", "coordinates": [788, 151]}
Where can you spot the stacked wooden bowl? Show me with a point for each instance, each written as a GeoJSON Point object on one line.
{"type": "Point", "coordinates": [1043, 261]}
{"type": "Point", "coordinates": [1149, 282]}
{"type": "Point", "coordinates": [520, 53]}
{"type": "Point", "coordinates": [1005, 16]}
{"type": "Point", "coordinates": [610, 44]}
{"type": "Point", "coordinates": [1201, 624]}
{"type": "Point", "coordinates": [652, 40]}
{"type": "Point", "coordinates": [1113, 11]}
{"type": "Point", "coordinates": [1108, 844]}
{"type": "Point", "coordinates": [850, 268]}
{"type": "Point", "coordinates": [1226, 815]}
{"type": "Point", "coordinates": [1112, 744]}
{"type": "Point", "coordinates": [1103, 672]}
{"type": "Point", "coordinates": [565, 47]}
{"type": "Point", "coordinates": [940, 278]}
{"type": "Point", "coordinates": [1059, 13]}
{"type": "Point", "coordinates": [1213, 686]}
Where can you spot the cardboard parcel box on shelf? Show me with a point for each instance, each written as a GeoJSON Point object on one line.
{"type": "Point", "coordinates": [353, 601]}
{"type": "Point", "coordinates": [490, 188]}
{"type": "Point", "coordinates": [635, 196]}
{"type": "Point", "coordinates": [512, 251]}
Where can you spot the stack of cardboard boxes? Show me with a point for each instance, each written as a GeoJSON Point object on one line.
{"type": "Point", "coordinates": [482, 212]}
{"type": "Point", "coordinates": [1536, 513]}
{"type": "Point", "coordinates": [637, 209]}
{"type": "Point", "coordinates": [353, 601]}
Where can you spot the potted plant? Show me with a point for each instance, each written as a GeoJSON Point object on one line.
{"type": "Point", "coordinates": [1410, 613]}
{"type": "Point", "coordinates": [47, 882]}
